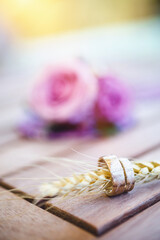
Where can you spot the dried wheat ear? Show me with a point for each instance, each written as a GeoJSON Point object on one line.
{"type": "Point", "coordinates": [114, 176]}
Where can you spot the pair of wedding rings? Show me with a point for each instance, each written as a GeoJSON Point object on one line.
{"type": "Point", "coordinates": [122, 174]}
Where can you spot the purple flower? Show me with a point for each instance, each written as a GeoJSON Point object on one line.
{"type": "Point", "coordinates": [114, 101]}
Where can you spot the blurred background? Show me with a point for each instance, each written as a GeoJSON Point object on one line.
{"type": "Point", "coordinates": [34, 18]}
{"type": "Point", "coordinates": [121, 36]}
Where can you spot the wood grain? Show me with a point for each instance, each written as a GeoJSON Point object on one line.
{"type": "Point", "coordinates": [99, 213]}
{"type": "Point", "coordinates": [85, 209]}
{"type": "Point", "coordinates": [95, 213]}
{"type": "Point", "coordinates": [23, 220]}
{"type": "Point", "coordinates": [132, 143]}
{"type": "Point", "coordinates": [20, 219]}
{"type": "Point", "coordinates": [23, 152]}
{"type": "Point", "coordinates": [142, 226]}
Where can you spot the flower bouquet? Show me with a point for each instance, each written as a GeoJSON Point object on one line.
{"type": "Point", "coordinates": [71, 98]}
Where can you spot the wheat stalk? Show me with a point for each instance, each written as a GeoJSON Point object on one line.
{"type": "Point", "coordinates": [99, 180]}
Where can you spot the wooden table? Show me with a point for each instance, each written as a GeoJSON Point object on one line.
{"type": "Point", "coordinates": [135, 215]}
{"type": "Point", "coordinates": [84, 217]}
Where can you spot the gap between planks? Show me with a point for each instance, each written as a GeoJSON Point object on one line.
{"type": "Point", "coordinates": [22, 220]}
{"type": "Point", "coordinates": [143, 138]}
{"type": "Point", "coordinates": [88, 212]}
{"type": "Point", "coordinates": [144, 225]}
{"type": "Point", "coordinates": [126, 141]}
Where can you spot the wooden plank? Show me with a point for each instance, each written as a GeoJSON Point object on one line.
{"type": "Point", "coordinates": [23, 220]}
{"type": "Point", "coordinates": [98, 213]}
{"type": "Point", "coordinates": [22, 153]}
{"type": "Point", "coordinates": [131, 143]}
{"type": "Point", "coordinates": [82, 210]}
{"type": "Point", "coordinates": [85, 209]}
{"type": "Point", "coordinates": [142, 226]}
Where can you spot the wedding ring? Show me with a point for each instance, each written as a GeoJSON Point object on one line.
{"type": "Point", "coordinates": [122, 174]}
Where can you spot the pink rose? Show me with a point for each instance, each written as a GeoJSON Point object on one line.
{"type": "Point", "coordinates": [65, 93]}
{"type": "Point", "coordinates": [114, 101]}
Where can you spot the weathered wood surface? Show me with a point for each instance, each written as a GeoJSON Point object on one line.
{"type": "Point", "coordinates": [132, 143]}
{"type": "Point", "coordinates": [20, 220]}
{"type": "Point", "coordinates": [94, 213]}
{"type": "Point", "coordinates": [21, 153]}
{"type": "Point", "coordinates": [144, 225]}
{"type": "Point", "coordinates": [84, 210]}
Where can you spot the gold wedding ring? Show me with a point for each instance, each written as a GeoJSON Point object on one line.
{"type": "Point", "coordinates": [122, 174]}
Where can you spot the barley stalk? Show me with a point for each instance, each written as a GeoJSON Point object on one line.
{"type": "Point", "coordinates": [98, 180]}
